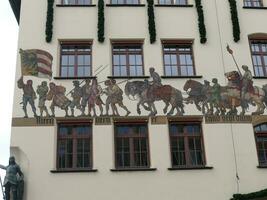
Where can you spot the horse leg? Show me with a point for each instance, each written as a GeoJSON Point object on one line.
{"type": "Point", "coordinates": [197, 105]}
{"type": "Point", "coordinates": [153, 110]}
{"type": "Point", "coordinates": [166, 107]}
{"type": "Point", "coordinates": [101, 109]}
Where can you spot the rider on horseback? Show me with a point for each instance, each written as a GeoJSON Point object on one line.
{"type": "Point", "coordinates": [247, 82]}
{"type": "Point", "coordinates": [155, 83]}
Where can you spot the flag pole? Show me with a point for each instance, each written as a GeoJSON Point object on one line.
{"type": "Point", "coordinates": [230, 51]}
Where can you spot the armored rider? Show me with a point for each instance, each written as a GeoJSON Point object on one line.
{"type": "Point", "coordinates": [155, 83]}
{"type": "Point", "coordinates": [29, 96]}
{"type": "Point", "coordinates": [13, 180]}
{"type": "Point", "coordinates": [76, 95]}
{"type": "Point", "coordinates": [246, 81]}
{"type": "Point", "coordinates": [42, 91]}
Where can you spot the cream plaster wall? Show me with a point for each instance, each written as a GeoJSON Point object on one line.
{"type": "Point", "coordinates": [36, 147]}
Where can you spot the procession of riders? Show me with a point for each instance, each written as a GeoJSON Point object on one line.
{"type": "Point", "coordinates": [210, 99]}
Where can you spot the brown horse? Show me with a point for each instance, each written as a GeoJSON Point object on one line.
{"type": "Point", "coordinates": [148, 94]}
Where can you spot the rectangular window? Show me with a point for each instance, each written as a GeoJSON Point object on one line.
{"type": "Point", "coordinates": [261, 142]}
{"type": "Point", "coordinates": [76, 2]}
{"type": "Point", "coordinates": [76, 59]}
{"type": "Point", "coordinates": [129, 2]}
{"type": "Point", "coordinates": [253, 3]}
{"type": "Point", "coordinates": [186, 144]}
{"type": "Point", "coordinates": [259, 57]}
{"type": "Point", "coordinates": [131, 145]}
{"type": "Point", "coordinates": [178, 59]}
{"type": "Point", "coordinates": [173, 2]}
{"type": "Point", "coordinates": [127, 59]}
{"type": "Point", "coordinates": [74, 146]}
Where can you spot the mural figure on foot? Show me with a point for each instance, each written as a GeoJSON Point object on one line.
{"type": "Point", "coordinates": [13, 182]}
{"type": "Point", "coordinates": [42, 91]}
{"type": "Point", "coordinates": [76, 95]}
{"type": "Point", "coordinates": [114, 96]}
{"type": "Point", "coordinates": [29, 96]}
{"type": "Point", "coordinates": [86, 90]}
{"type": "Point", "coordinates": [149, 92]}
{"type": "Point", "coordinates": [215, 97]}
{"type": "Point", "coordinates": [57, 95]}
{"type": "Point", "coordinates": [95, 99]}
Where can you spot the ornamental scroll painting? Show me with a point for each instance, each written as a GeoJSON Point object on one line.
{"type": "Point", "coordinates": [104, 98]}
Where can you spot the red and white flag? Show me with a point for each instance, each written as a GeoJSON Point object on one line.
{"type": "Point", "coordinates": [36, 62]}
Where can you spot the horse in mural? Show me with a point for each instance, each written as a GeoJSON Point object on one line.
{"type": "Point", "coordinates": [230, 97]}
{"type": "Point", "coordinates": [255, 95]}
{"type": "Point", "coordinates": [147, 95]}
{"type": "Point", "coordinates": [197, 95]}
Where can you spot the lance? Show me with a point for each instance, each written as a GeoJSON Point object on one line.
{"type": "Point", "coordinates": [4, 197]}
{"type": "Point", "coordinates": [95, 75]}
{"type": "Point", "coordinates": [230, 51]}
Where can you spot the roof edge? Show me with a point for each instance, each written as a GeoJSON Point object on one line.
{"type": "Point", "coordinates": [15, 5]}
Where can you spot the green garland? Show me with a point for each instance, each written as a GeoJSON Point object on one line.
{"type": "Point", "coordinates": [151, 21]}
{"type": "Point", "coordinates": [201, 22]}
{"type": "Point", "coordinates": [259, 194]}
{"type": "Point", "coordinates": [235, 21]}
{"type": "Point", "coordinates": [49, 20]}
{"type": "Point", "coordinates": [101, 21]}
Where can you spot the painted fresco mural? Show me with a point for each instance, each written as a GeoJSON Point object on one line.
{"type": "Point", "coordinates": [89, 97]}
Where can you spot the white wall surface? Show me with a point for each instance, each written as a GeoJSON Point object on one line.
{"type": "Point", "coordinates": [36, 147]}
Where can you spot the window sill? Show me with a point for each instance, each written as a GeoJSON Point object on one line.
{"type": "Point", "coordinates": [125, 5]}
{"type": "Point", "coordinates": [127, 77]}
{"type": "Point", "coordinates": [262, 166]}
{"type": "Point", "coordinates": [257, 8]}
{"type": "Point", "coordinates": [61, 5]}
{"type": "Point", "coordinates": [73, 171]}
{"type": "Point", "coordinates": [74, 78]}
{"type": "Point", "coordinates": [190, 168]}
{"type": "Point", "coordinates": [169, 77]}
{"type": "Point", "coordinates": [260, 77]}
{"type": "Point", "coordinates": [171, 5]}
{"type": "Point", "coordinates": [132, 169]}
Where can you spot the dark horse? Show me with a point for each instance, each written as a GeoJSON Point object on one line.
{"type": "Point", "coordinates": [146, 95]}
{"type": "Point", "coordinates": [197, 95]}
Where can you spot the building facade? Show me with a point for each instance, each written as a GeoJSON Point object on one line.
{"type": "Point", "coordinates": [145, 104]}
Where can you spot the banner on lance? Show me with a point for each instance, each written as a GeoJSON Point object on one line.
{"type": "Point", "coordinates": [36, 62]}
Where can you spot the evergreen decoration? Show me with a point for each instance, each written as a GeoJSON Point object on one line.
{"type": "Point", "coordinates": [235, 21]}
{"type": "Point", "coordinates": [254, 195]}
{"type": "Point", "coordinates": [151, 21]}
{"type": "Point", "coordinates": [201, 22]}
{"type": "Point", "coordinates": [49, 20]}
{"type": "Point", "coordinates": [101, 21]}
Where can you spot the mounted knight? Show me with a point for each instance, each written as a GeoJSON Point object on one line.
{"type": "Point", "coordinates": [149, 92]}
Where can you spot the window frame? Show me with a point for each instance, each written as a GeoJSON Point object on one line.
{"type": "Point", "coordinates": [257, 135]}
{"type": "Point", "coordinates": [75, 43]}
{"type": "Point", "coordinates": [125, 3]}
{"type": "Point", "coordinates": [173, 3]}
{"type": "Point", "coordinates": [75, 4]}
{"type": "Point", "coordinates": [186, 144]}
{"type": "Point", "coordinates": [131, 149]}
{"type": "Point", "coordinates": [74, 146]}
{"type": "Point", "coordinates": [261, 54]}
{"type": "Point", "coordinates": [178, 42]}
{"type": "Point", "coordinates": [252, 2]}
{"type": "Point", "coordinates": [128, 43]}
